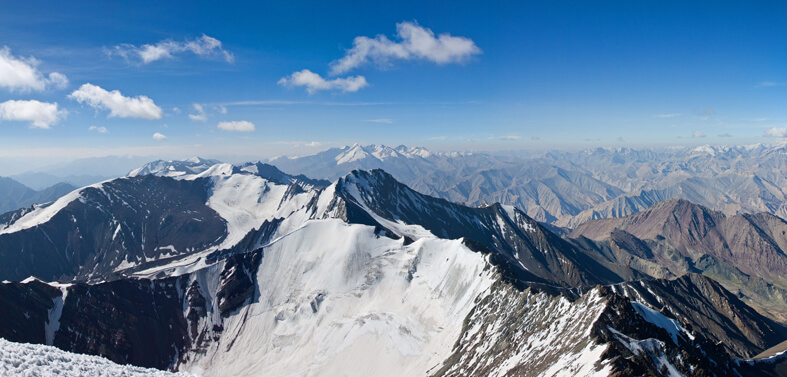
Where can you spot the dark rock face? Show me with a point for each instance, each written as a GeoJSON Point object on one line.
{"type": "Point", "coordinates": [237, 285]}
{"type": "Point", "coordinates": [124, 220]}
{"type": "Point", "coordinates": [518, 239]}
{"type": "Point", "coordinates": [137, 322]}
{"type": "Point", "coordinates": [639, 348]}
{"type": "Point", "coordinates": [24, 311]}
{"type": "Point", "coordinates": [704, 306]}
{"type": "Point", "coordinates": [148, 323]}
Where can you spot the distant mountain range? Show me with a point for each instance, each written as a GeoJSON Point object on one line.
{"type": "Point", "coordinates": [14, 195]}
{"type": "Point", "coordinates": [569, 188]}
{"type": "Point", "coordinates": [246, 270]}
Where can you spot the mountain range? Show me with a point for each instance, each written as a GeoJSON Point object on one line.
{"type": "Point", "coordinates": [246, 270]}
{"type": "Point", "coordinates": [569, 188]}
{"type": "Point", "coordinates": [14, 195]}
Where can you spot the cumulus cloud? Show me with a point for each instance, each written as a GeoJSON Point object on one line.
{"type": "Point", "coordinates": [239, 126]}
{"type": "Point", "coordinates": [204, 46]}
{"type": "Point", "coordinates": [697, 134]}
{"type": "Point", "coordinates": [415, 43]}
{"type": "Point", "coordinates": [117, 104]}
{"type": "Point", "coordinates": [159, 137]}
{"type": "Point", "coordinates": [101, 130]}
{"type": "Point", "coordinates": [313, 144]}
{"type": "Point", "coordinates": [22, 74]}
{"type": "Point", "coordinates": [776, 132]}
{"type": "Point", "coordinates": [510, 138]}
{"type": "Point", "coordinates": [314, 82]}
{"type": "Point", "coordinates": [725, 135]}
{"type": "Point", "coordinates": [200, 113]}
{"type": "Point", "coordinates": [39, 114]}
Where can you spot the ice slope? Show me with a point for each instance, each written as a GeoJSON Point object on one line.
{"type": "Point", "coordinates": [18, 359]}
{"type": "Point", "coordinates": [332, 298]}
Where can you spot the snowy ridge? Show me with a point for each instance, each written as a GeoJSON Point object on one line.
{"type": "Point", "coordinates": [18, 359]}
{"type": "Point", "coordinates": [43, 213]}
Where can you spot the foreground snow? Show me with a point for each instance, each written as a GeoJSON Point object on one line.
{"type": "Point", "coordinates": [17, 359]}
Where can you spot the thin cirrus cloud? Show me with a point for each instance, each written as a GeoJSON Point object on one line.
{"type": "Point", "coordinates": [159, 136]}
{"type": "Point", "coordinates": [237, 126]}
{"type": "Point", "coordinates": [667, 115]}
{"type": "Point", "coordinates": [204, 46]}
{"type": "Point", "coordinates": [510, 138]}
{"type": "Point", "coordinates": [22, 74]}
{"type": "Point", "coordinates": [38, 114]}
{"type": "Point", "coordinates": [118, 105]}
{"type": "Point", "coordinates": [776, 132]}
{"type": "Point", "coordinates": [314, 82]}
{"type": "Point", "coordinates": [383, 120]}
{"type": "Point", "coordinates": [101, 130]}
{"type": "Point", "coordinates": [415, 43]}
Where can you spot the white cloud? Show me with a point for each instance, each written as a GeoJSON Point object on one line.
{"type": "Point", "coordinates": [23, 75]}
{"type": "Point", "coordinates": [118, 105]}
{"type": "Point", "coordinates": [725, 135]}
{"type": "Point", "coordinates": [313, 144]}
{"type": "Point", "coordinates": [221, 109]}
{"type": "Point", "coordinates": [314, 82]}
{"type": "Point", "coordinates": [417, 43]}
{"type": "Point", "coordinates": [239, 126]}
{"type": "Point", "coordinates": [667, 115]}
{"type": "Point", "coordinates": [39, 114]}
{"type": "Point", "coordinates": [697, 134]}
{"type": "Point", "coordinates": [159, 137]}
{"type": "Point", "coordinates": [204, 46]}
{"type": "Point", "coordinates": [510, 138]}
{"type": "Point", "coordinates": [384, 120]}
{"type": "Point", "coordinates": [101, 130]}
{"type": "Point", "coordinates": [200, 113]}
{"type": "Point", "coordinates": [776, 132]}
{"type": "Point", "coordinates": [535, 138]}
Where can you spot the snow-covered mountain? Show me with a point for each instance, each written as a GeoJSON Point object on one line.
{"type": "Point", "coordinates": [244, 270]}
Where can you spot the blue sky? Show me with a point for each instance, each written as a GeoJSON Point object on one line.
{"type": "Point", "coordinates": [508, 75]}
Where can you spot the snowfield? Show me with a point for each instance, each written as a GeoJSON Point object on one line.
{"type": "Point", "coordinates": [36, 360]}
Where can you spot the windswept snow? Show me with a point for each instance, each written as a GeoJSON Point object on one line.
{"type": "Point", "coordinates": [334, 297]}
{"type": "Point", "coordinates": [28, 360]}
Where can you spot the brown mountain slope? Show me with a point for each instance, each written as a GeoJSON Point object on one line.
{"type": "Point", "coordinates": [746, 253]}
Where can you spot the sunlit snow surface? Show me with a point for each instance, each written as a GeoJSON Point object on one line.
{"type": "Point", "coordinates": [335, 299]}
{"type": "Point", "coordinates": [36, 360]}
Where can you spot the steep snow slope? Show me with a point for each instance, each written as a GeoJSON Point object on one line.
{"type": "Point", "coordinates": [332, 296]}
{"type": "Point", "coordinates": [19, 359]}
